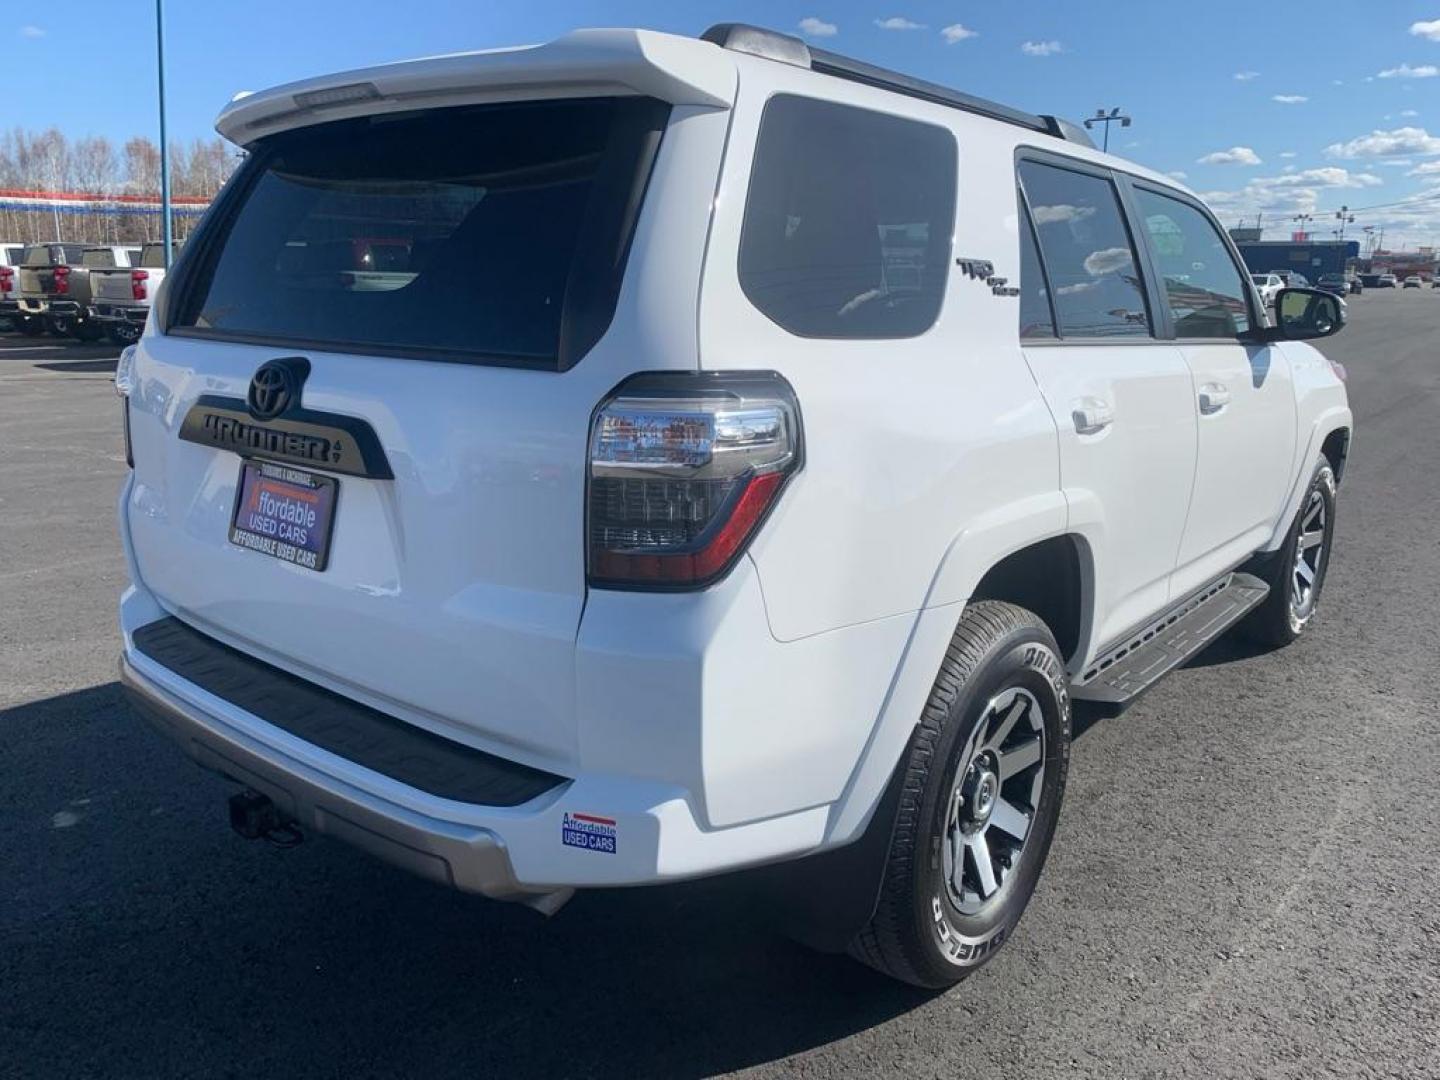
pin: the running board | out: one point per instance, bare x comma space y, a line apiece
1125, 672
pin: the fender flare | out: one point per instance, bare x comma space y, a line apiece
1329, 421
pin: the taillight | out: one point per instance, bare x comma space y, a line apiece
62, 280
7, 276
683, 469
138, 278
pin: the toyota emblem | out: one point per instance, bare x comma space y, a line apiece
275, 387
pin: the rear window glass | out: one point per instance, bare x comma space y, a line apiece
98, 257
491, 233
153, 255
848, 220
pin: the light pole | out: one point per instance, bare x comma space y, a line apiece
164, 145
1301, 220
1112, 117
1346, 218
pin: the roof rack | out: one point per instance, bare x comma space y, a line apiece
772, 45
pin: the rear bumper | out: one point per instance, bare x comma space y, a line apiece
466, 857
119, 313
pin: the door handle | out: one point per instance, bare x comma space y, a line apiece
1091, 415
1213, 398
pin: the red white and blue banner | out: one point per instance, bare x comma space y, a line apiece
72, 202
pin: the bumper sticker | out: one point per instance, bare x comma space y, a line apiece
589, 832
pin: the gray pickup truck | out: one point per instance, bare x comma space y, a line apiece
121, 298
55, 286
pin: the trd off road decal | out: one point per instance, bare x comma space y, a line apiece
589, 832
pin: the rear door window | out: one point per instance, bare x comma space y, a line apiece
1090, 261
492, 233
848, 220
1036, 318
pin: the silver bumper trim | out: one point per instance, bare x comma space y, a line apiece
465, 857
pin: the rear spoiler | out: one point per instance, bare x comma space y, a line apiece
678, 70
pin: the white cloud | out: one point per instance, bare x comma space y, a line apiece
1179, 174
1396, 163
1330, 176
1430, 168
895, 22
818, 27
1396, 143
1041, 48
1106, 261
32, 32
1236, 155
1405, 71
1246, 76
1408, 113
957, 32
1290, 99
1429, 30
1287, 153
1052, 215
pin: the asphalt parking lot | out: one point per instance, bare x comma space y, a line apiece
1244, 882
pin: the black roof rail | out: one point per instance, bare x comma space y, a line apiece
773, 45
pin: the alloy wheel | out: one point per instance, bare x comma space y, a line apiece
994, 800
1309, 555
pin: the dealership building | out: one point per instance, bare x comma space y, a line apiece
1308, 257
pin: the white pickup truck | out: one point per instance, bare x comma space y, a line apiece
121, 298
746, 459
10, 283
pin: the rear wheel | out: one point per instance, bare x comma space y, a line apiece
30, 326
1296, 573
58, 327
122, 333
87, 330
981, 798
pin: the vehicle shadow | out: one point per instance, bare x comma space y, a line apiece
107, 364
223, 955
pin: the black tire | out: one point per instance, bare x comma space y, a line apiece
87, 331
30, 327
925, 931
58, 327
123, 334
1292, 602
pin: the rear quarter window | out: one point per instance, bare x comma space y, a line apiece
487, 233
848, 220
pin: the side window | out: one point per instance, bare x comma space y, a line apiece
1036, 320
1203, 286
848, 220
1087, 251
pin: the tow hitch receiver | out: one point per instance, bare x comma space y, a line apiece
255, 817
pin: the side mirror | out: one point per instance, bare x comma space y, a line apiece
1306, 313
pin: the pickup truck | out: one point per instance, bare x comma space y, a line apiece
55, 285
121, 297
9, 283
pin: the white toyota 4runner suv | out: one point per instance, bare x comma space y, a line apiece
738, 456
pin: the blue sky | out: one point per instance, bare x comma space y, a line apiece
1279, 108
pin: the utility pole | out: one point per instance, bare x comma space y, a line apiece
1302, 220
164, 144
1346, 218
1114, 116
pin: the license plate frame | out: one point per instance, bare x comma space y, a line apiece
300, 521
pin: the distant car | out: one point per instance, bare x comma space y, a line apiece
10, 284
1294, 279
1267, 285
1356, 286
1333, 283
121, 296
1413, 282
1387, 281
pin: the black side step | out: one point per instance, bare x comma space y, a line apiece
1127, 671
